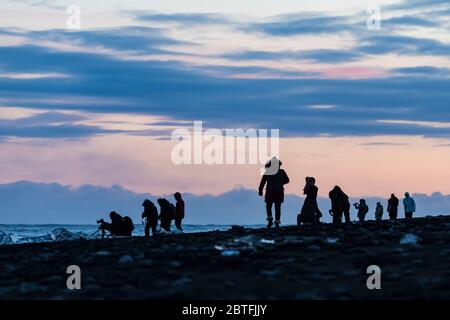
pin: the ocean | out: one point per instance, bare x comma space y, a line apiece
12, 234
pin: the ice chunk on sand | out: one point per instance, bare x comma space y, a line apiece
409, 238
5, 238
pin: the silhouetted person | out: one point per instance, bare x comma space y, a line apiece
393, 207
119, 226
346, 206
362, 210
379, 212
410, 206
337, 204
166, 213
310, 210
150, 215
179, 210
275, 178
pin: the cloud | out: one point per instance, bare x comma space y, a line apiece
323, 55
307, 23
408, 21
50, 125
167, 88
234, 89
383, 44
423, 71
32, 203
183, 18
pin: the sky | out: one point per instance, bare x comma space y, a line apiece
364, 108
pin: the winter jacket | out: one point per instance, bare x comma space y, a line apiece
379, 212
274, 182
409, 204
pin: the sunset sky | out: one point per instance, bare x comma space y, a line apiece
366, 109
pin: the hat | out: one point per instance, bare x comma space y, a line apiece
269, 163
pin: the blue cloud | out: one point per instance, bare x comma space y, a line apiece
184, 18
408, 21
171, 89
56, 203
288, 25
423, 71
382, 44
323, 55
49, 125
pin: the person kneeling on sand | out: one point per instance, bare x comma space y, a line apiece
362, 210
166, 213
310, 212
275, 178
150, 217
179, 210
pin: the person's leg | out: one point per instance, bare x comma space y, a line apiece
154, 230
165, 225
277, 214
337, 217
269, 214
347, 216
335, 214
178, 223
147, 230
299, 219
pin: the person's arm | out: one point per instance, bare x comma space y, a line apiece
262, 184
413, 205
285, 178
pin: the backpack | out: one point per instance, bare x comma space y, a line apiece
128, 224
172, 210
150, 212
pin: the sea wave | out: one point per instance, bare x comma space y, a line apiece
19, 234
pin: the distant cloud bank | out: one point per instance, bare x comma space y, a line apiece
27, 202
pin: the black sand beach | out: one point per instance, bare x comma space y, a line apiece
313, 262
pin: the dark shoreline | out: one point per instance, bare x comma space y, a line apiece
312, 262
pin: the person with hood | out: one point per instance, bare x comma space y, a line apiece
362, 210
409, 205
179, 210
337, 204
379, 212
310, 210
274, 179
393, 207
166, 213
150, 217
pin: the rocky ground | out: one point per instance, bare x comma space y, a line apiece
311, 262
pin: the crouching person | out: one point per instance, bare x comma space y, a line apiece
119, 226
150, 217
